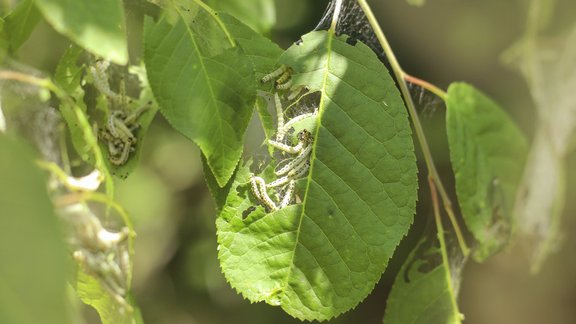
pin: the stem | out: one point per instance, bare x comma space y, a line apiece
82, 120
401, 78
336, 15
25, 78
426, 85
64, 155
85, 196
99, 197
440, 230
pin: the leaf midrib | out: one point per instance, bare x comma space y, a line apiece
331, 34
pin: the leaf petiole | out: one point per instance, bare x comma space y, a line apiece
441, 239
401, 79
425, 85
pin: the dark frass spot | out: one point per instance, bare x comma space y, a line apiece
247, 212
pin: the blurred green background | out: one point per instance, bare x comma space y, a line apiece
176, 273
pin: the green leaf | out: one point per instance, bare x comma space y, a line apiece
20, 23
111, 312
488, 153
210, 34
425, 288
97, 26
266, 118
219, 194
260, 15
262, 52
68, 77
145, 100
264, 55
68, 73
35, 265
208, 98
322, 256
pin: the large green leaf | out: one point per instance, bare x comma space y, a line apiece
322, 256
205, 89
97, 26
426, 287
488, 152
20, 23
35, 265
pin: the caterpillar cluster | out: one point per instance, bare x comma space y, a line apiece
118, 133
297, 162
119, 130
104, 254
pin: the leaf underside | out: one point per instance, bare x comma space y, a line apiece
321, 257
204, 88
488, 153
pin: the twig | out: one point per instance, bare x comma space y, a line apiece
401, 77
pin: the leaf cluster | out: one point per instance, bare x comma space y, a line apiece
315, 238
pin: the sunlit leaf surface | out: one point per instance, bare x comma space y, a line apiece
323, 255
205, 88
